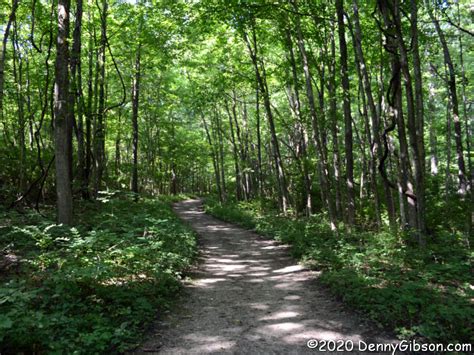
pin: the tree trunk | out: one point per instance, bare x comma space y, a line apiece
18, 79
417, 206
376, 151
454, 105
347, 115
99, 129
3, 52
214, 158
135, 102
238, 184
75, 96
221, 156
89, 114
261, 79
395, 101
336, 160
324, 168
300, 128
433, 138
62, 133
259, 143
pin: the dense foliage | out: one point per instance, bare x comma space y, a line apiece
419, 292
350, 118
94, 287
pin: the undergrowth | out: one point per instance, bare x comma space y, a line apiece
91, 288
420, 292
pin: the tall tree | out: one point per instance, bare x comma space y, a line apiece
453, 94
135, 102
62, 124
347, 114
3, 51
260, 74
317, 135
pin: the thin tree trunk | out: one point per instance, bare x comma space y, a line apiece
75, 96
259, 142
347, 115
61, 122
300, 128
135, 103
454, 105
334, 127
3, 52
89, 113
376, 151
214, 158
416, 208
395, 101
221, 156
100, 131
433, 138
18, 77
238, 184
261, 79
324, 168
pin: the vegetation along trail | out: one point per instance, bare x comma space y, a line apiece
250, 297
340, 128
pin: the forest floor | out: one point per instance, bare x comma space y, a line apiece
248, 296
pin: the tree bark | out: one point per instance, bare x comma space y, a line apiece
99, 129
261, 79
347, 115
300, 129
75, 95
454, 105
324, 167
395, 102
135, 103
376, 151
3, 53
62, 131
417, 206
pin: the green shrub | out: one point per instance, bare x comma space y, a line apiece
91, 288
423, 292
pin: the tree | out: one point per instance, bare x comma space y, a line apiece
62, 123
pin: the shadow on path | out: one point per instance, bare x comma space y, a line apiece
250, 297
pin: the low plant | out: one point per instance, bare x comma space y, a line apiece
420, 292
91, 288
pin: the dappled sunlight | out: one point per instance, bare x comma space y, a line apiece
208, 281
250, 292
292, 297
280, 328
288, 269
280, 315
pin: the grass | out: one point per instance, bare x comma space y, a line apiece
420, 292
92, 288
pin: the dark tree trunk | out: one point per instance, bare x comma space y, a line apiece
261, 79
324, 167
296, 104
376, 151
347, 115
62, 131
454, 105
135, 103
75, 96
3, 52
99, 129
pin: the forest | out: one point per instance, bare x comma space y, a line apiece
342, 128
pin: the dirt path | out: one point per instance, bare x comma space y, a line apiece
250, 297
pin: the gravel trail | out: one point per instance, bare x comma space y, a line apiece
248, 296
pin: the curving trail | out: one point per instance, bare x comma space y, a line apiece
249, 296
